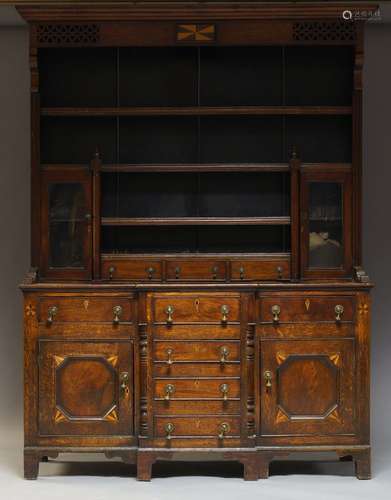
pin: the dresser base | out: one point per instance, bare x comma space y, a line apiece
255, 462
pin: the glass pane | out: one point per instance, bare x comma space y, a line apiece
66, 202
67, 210
66, 244
325, 225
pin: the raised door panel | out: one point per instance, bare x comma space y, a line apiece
307, 387
85, 388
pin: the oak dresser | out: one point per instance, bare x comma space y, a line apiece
196, 281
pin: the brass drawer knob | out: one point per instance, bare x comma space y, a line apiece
169, 391
224, 389
150, 272
267, 375
170, 361
215, 270
224, 429
52, 312
169, 312
124, 379
224, 313
279, 272
241, 273
224, 351
111, 272
169, 428
339, 310
177, 273
117, 313
276, 311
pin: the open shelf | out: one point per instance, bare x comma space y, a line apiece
199, 240
196, 221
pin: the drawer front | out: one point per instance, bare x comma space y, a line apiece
202, 332
196, 389
196, 309
307, 308
141, 270
306, 330
197, 408
247, 270
186, 369
197, 270
114, 310
198, 426
215, 351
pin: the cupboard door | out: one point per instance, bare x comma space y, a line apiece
326, 220
66, 224
307, 387
85, 388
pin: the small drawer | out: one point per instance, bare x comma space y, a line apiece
196, 309
178, 352
185, 369
114, 310
196, 270
250, 270
132, 270
202, 332
296, 309
172, 389
218, 427
197, 407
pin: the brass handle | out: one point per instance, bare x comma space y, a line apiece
224, 351
224, 388
170, 352
170, 389
169, 312
177, 272
339, 310
215, 270
241, 273
224, 428
111, 272
279, 272
117, 311
267, 375
224, 313
169, 428
150, 272
52, 311
276, 311
124, 379
88, 216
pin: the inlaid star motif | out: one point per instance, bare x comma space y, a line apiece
363, 309
30, 310
196, 33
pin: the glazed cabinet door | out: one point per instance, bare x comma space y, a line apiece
85, 388
66, 224
326, 223
307, 387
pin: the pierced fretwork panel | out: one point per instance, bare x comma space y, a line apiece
68, 34
324, 31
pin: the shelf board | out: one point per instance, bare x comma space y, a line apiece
197, 167
198, 111
196, 221
197, 255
